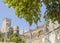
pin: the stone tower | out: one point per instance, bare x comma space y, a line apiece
5, 29
16, 29
5, 25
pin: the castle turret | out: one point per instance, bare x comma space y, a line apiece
16, 29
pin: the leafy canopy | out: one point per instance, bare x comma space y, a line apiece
27, 9
30, 9
52, 10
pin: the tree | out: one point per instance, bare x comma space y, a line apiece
16, 38
30, 9
52, 10
27, 9
1, 39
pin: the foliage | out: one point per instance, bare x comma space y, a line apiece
16, 38
27, 9
52, 10
30, 9
1, 39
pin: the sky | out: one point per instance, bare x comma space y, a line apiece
6, 12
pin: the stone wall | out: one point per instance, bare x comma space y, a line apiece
53, 36
34, 41
47, 37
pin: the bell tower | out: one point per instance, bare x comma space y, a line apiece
6, 24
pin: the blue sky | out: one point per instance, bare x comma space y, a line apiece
6, 12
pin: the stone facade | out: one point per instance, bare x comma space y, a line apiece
44, 34
34, 36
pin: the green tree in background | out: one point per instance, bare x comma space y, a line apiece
1, 39
30, 9
16, 38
